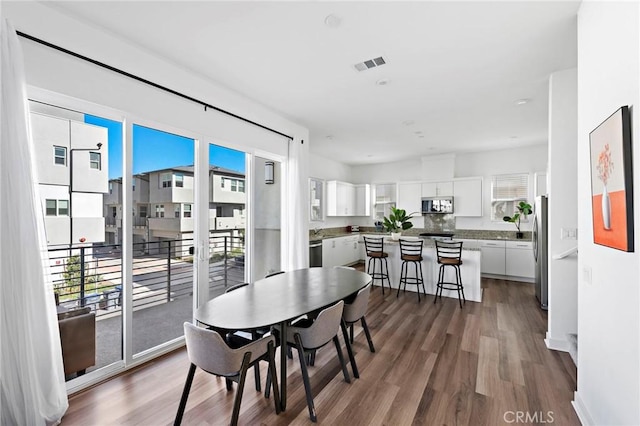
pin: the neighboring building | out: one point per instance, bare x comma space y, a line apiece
72, 175
163, 206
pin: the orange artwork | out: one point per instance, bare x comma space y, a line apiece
611, 180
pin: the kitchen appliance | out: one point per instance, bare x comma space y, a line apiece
315, 253
540, 248
437, 205
353, 228
438, 236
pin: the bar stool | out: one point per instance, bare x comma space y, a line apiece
411, 252
449, 253
375, 252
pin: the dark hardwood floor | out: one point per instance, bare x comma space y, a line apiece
437, 364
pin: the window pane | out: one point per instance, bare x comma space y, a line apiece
60, 155
94, 160
506, 192
51, 208
179, 180
187, 210
63, 208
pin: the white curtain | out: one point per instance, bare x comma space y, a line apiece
32, 386
298, 221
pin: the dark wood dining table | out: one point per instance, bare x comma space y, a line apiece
281, 298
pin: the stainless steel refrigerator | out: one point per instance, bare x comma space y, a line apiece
540, 249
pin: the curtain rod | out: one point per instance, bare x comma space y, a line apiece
148, 82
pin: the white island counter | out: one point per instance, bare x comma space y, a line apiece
470, 269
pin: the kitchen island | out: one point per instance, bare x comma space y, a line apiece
470, 269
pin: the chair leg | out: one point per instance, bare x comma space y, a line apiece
272, 376
347, 379
351, 333
461, 286
228, 383
400, 281
305, 378
386, 268
352, 359
366, 332
422, 282
238, 398
415, 264
256, 367
185, 395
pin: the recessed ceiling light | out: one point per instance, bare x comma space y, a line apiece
421, 136
513, 137
329, 137
369, 155
409, 123
522, 101
383, 82
332, 21
418, 132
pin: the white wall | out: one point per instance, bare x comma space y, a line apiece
608, 290
563, 197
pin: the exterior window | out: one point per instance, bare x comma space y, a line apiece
63, 208
110, 187
114, 212
506, 192
240, 186
222, 182
176, 211
234, 185
187, 210
60, 155
179, 180
159, 210
165, 180
219, 211
134, 185
95, 160
52, 209
142, 210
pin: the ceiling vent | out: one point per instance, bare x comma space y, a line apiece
371, 63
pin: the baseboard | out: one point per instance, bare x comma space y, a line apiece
557, 344
581, 410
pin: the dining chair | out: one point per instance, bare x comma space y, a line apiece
237, 338
208, 351
308, 335
355, 311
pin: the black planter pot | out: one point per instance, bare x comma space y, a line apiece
519, 235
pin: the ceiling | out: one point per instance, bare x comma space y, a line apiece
454, 70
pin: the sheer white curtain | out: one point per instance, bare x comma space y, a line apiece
298, 232
32, 387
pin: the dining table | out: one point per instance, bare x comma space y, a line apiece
280, 299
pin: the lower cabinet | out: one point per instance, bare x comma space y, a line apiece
513, 259
519, 259
340, 251
493, 258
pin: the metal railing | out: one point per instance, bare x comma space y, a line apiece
162, 272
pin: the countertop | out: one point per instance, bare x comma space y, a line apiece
458, 234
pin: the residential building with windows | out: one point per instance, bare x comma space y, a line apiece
71, 159
163, 205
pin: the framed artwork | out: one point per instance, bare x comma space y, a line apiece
612, 182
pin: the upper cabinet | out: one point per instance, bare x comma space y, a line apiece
385, 198
346, 199
467, 197
437, 189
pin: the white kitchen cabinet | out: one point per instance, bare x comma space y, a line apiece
468, 244
346, 199
363, 200
437, 189
384, 198
340, 251
410, 199
519, 259
467, 197
493, 257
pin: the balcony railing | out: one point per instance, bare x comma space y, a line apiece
162, 272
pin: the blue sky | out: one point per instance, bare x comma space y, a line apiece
154, 149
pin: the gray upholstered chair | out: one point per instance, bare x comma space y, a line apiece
307, 336
208, 351
355, 311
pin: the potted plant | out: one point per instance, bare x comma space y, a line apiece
397, 221
523, 209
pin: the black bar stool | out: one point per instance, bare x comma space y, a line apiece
376, 253
411, 252
449, 253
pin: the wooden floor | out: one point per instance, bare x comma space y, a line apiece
437, 364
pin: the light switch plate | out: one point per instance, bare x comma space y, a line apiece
568, 233
586, 275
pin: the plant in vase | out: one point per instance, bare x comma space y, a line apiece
605, 167
397, 221
523, 210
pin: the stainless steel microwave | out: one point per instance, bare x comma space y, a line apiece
437, 205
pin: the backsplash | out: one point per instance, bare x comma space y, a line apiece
439, 222
475, 234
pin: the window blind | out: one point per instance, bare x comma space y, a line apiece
510, 187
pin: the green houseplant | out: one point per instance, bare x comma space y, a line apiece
523, 210
397, 221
